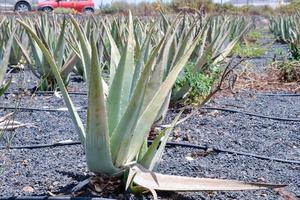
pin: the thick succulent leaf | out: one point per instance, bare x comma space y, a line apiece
85, 47
149, 115
97, 146
143, 55
119, 140
5, 60
114, 53
26, 54
74, 115
230, 46
203, 43
120, 90
184, 44
4, 87
37, 56
219, 42
84, 50
159, 70
155, 181
67, 68
155, 151
60, 45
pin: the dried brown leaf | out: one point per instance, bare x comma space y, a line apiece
286, 194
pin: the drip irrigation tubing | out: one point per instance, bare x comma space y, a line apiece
83, 93
279, 94
51, 92
24, 109
83, 109
169, 144
253, 114
44, 93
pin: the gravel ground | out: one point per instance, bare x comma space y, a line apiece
57, 170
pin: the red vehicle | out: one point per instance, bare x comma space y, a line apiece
86, 6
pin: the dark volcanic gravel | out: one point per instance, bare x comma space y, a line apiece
58, 169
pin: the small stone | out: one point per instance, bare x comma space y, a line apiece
189, 158
98, 188
28, 189
264, 195
261, 179
24, 163
186, 137
55, 183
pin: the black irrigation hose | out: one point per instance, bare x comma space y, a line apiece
52, 198
82, 109
41, 109
172, 144
45, 93
232, 152
40, 146
279, 94
51, 92
253, 114
85, 93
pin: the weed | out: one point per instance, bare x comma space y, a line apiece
200, 83
289, 70
254, 35
248, 50
295, 51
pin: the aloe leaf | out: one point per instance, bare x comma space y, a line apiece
142, 57
148, 117
59, 51
114, 53
185, 43
202, 47
37, 56
73, 112
85, 47
230, 46
5, 60
160, 69
4, 87
156, 181
155, 151
97, 146
69, 65
128, 122
120, 90
26, 55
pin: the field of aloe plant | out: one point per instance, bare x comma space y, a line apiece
129, 107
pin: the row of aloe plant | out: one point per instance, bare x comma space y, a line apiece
286, 29
5, 52
143, 59
111, 39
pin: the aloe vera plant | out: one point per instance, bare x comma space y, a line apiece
52, 33
219, 38
117, 126
286, 29
7, 26
4, 61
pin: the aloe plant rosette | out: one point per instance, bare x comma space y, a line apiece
117, 126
